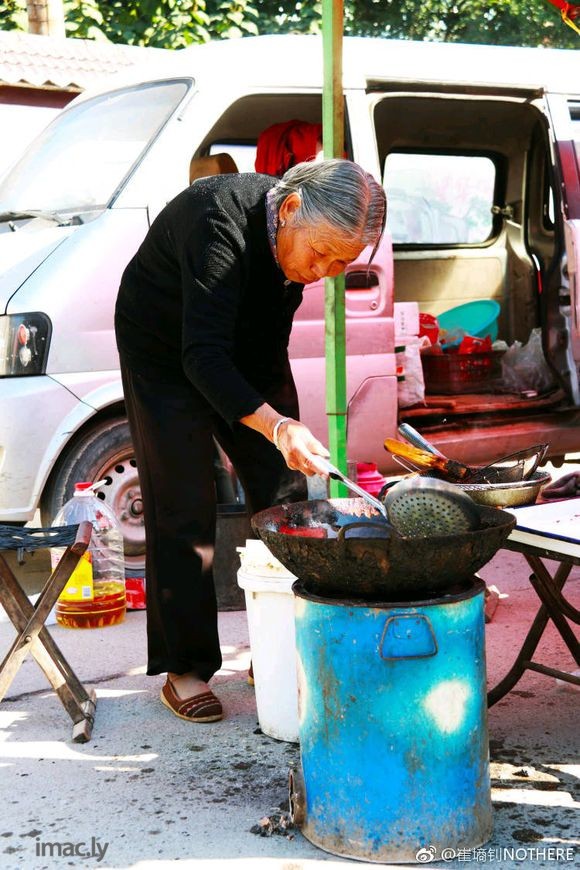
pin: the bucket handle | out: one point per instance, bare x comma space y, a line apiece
408, 636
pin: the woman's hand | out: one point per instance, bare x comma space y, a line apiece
300, 448
295, 441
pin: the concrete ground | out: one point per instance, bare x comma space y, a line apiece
154, 789
150, 789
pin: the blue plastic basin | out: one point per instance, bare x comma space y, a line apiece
478, 318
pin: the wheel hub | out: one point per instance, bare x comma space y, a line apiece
122, 493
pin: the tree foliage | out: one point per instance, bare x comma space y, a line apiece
13, 15
177, 23
494, 22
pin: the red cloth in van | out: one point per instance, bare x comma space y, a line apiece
283, 145
568, 10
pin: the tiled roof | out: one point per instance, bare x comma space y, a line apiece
68, 64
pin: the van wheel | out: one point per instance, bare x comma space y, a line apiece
104, 453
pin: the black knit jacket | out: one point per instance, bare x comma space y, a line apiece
203, 295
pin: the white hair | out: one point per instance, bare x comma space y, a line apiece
338, 193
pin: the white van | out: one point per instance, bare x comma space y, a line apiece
479, 150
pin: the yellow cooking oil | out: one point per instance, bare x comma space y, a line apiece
107, 607
94, 596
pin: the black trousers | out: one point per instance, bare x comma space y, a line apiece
173, 431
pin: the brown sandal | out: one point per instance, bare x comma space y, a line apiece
204, 707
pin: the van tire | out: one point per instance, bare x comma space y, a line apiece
106, 452
103, 452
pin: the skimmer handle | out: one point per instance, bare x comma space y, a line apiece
336, 474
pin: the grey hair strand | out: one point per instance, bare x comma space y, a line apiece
338, 193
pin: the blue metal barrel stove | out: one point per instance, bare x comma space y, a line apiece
393, 725
391, 679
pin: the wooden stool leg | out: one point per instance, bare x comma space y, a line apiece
29, 620
34, 638
79, 703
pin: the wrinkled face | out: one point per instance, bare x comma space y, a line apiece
308, 253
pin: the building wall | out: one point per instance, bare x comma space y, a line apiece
41, 74
24, 113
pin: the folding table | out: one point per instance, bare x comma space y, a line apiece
33, 637
546, 531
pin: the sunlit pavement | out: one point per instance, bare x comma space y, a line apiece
150, 789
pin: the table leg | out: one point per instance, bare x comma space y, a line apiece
552, 597
531, 641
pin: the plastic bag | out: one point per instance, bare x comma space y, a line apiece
524, 366
410, 381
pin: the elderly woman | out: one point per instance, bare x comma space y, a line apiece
203, 320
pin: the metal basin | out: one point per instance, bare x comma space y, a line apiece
511, 495
342, 547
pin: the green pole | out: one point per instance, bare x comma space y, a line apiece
334, 309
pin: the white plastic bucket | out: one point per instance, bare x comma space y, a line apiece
270, 610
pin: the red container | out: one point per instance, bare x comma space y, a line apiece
369, 478
428, 326
135, 591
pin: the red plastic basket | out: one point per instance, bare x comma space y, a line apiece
450, 373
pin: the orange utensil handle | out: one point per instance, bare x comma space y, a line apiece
455, 470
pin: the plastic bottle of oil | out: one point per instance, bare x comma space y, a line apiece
94, 596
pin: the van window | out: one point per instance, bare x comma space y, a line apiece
439, 199
80, 160
243, 154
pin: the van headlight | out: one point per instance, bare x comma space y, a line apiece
24, 343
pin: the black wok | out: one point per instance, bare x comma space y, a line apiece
342, 547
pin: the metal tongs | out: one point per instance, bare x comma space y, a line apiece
336, 474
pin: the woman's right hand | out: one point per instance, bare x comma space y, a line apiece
300, 448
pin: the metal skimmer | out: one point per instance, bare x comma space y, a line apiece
425, 507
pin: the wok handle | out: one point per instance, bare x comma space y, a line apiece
341, 537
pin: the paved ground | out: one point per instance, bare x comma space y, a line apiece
156, 789
152, 790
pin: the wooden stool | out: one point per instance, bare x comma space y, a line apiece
33, 637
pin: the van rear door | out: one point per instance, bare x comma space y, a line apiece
570, 161
564, 112
572, 235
